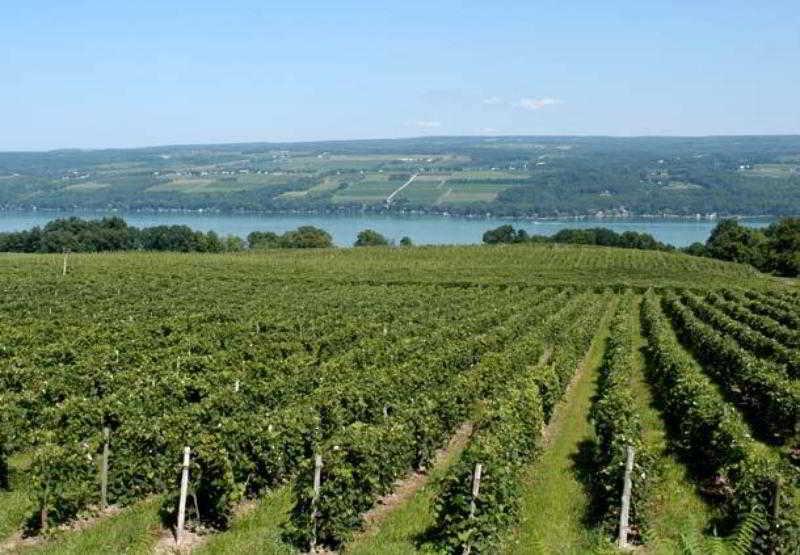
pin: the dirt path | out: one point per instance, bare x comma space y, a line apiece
400, 188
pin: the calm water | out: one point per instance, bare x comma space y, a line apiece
421, 229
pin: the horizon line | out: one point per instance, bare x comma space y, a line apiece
409, 138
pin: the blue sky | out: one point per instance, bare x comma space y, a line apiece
94, 74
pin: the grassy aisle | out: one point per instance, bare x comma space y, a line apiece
258, 531
15, 504
402, 531
132, 531
677, 516
555, 503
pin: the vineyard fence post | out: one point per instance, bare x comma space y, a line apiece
315, 498
476, 489
64, 270
184, 493
776, 502
43, 513
624, 514
104, 470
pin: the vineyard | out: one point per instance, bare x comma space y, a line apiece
530, 399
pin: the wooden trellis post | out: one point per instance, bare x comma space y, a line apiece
64, 270
184, 494
624, 514
104, 469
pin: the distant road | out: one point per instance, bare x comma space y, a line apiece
400, 188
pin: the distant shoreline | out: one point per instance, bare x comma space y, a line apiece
59, 212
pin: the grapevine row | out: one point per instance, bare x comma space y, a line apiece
237, 442
617, 425
505, 439
714, 438
761, 387
785, 313
362, 461
790, 338
752, 340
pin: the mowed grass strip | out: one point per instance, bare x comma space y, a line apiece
257, 530
677, 516
134, 531
555, 502
16, 504
403, 530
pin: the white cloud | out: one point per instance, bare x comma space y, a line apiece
537, 103
493, 101
427, 124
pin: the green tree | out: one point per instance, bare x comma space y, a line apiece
263, 240
406, 242
306, 237
731, 241
370, 238
783, 247
696, 249
505, 234
232, 243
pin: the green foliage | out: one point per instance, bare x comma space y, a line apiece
65, 481
406, 242
505, 438
572, 176
715, 439
753, 340
760, 386
731, 241
617, 426
505, 234
507, 434
595, 236
776, 249
783, 247
769, 328
362, 461
370, 238
112, 234
304, 237
213, 491
257, 375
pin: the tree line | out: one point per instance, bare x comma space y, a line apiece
600, 236
774, 249
114, 234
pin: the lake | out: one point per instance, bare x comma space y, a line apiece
423, 230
